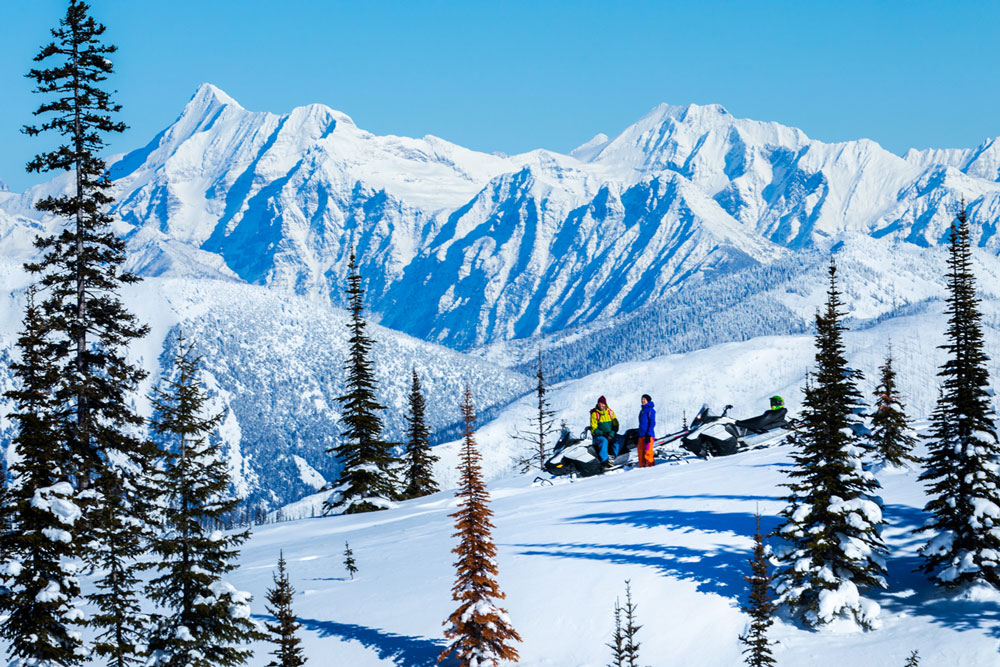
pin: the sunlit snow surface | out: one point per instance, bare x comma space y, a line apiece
680, 533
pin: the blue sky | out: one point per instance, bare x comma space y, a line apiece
511, 76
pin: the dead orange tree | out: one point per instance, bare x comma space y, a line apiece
480, 631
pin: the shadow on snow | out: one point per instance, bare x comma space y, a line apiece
401, 649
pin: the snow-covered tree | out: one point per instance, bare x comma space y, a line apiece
350, 564
759, 606
630, 629
891, 439
962, 468
618, 640
913, 660
480, 631
288, 647
367, 480
542, 427
418, 471
832, 547
40, 611
205, 620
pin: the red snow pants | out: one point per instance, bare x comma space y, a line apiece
645, 452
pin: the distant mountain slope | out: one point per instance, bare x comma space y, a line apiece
273, 365
468, 248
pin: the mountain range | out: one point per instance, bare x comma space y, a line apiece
688, 229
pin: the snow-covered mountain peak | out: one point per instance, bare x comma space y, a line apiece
587, 150
208, 94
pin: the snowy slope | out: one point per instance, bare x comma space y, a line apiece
681, 534
743, 374
469, 248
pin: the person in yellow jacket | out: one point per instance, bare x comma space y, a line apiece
604, 428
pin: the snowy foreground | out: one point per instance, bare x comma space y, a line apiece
680, 533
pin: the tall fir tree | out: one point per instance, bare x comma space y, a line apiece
288, 647
961, 468
542, 427
40, 600
832, 548
88, 327
419, 461
206, 621
480, 631
367, 479
891, 439
80, 270
759, 606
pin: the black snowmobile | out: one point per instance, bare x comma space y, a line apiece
579, 455
722, 435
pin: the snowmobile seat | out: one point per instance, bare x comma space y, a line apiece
765, 422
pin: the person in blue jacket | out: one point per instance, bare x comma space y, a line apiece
647, 434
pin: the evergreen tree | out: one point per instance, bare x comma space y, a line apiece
39, 589
289, 647
480, 631
961, 468
80, 270
87, 325
759, 606
119, 540
541, 427
349, 563
832, 524
631, 629
367, 481
891, 439
206, 621
419, 471
618, 640
913, 660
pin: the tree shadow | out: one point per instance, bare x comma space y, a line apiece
702, 496
718, 571
684, 521
403, 650
911, 592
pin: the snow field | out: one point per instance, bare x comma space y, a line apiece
680, 533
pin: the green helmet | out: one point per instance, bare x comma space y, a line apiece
777, 402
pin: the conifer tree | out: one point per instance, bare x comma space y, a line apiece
618, 641
833, 548
480, 631
913, 660
39, 589
80, 271
349, 563
630, 629
119, 540
86, 324
961, 468
288, 651
206, 621
541, 427
759, 606
419, 462
890, 438
367, 480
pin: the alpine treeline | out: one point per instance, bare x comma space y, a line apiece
832, 548
82, 494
